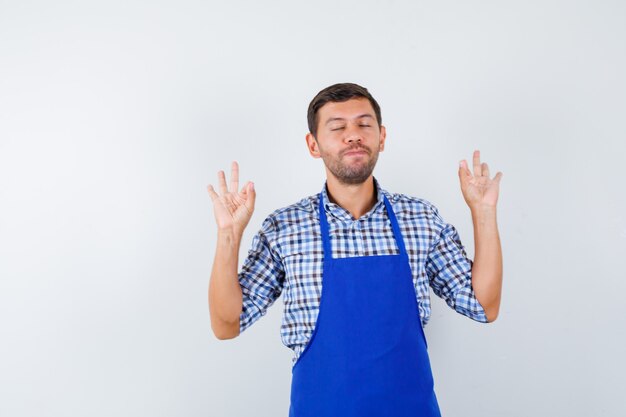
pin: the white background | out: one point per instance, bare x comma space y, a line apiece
114, 117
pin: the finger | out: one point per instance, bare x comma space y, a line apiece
212, 192
476, 161
498, 177
234, 177
485, 170
222, 181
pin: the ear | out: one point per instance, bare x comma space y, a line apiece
383, 136
312, 145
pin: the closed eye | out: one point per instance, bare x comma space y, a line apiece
339, 128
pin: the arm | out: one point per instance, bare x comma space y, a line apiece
225, 296
449, 269
481, 195
233, 211
487, 268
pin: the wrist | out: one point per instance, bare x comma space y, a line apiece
229, 236
483, 216
482, 209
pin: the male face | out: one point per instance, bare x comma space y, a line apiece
348, 139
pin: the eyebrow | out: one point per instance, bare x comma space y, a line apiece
332, 119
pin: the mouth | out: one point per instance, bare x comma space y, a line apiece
356, 152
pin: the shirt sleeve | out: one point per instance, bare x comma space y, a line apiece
261, 277
450, 271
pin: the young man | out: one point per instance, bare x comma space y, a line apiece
354, 263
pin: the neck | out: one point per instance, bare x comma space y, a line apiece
358, 199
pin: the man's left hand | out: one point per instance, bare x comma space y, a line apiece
479, 191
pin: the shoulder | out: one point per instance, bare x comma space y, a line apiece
294, 215
417, 212
411, 207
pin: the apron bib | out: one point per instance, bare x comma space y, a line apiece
367, 355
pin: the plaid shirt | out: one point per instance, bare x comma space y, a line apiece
287, 257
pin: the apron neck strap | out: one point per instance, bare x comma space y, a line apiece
326, 231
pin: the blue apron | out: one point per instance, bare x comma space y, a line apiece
367, 355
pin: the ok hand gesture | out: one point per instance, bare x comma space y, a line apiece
233, 209
479, 190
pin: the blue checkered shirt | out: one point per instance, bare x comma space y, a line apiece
287, 258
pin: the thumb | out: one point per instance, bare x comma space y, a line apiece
251, 197
464, 173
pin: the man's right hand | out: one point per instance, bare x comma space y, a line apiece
233, 209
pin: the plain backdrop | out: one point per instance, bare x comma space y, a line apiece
116, 115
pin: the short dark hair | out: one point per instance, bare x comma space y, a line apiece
338, 93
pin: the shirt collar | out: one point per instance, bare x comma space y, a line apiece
341, 213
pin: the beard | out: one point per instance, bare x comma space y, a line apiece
349, 171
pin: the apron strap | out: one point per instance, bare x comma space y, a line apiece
326, 231
324, 228
396, 227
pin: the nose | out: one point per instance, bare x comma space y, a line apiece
352, 134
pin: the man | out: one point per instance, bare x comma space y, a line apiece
354, 263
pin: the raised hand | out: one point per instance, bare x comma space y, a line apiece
233, 209
479, 190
